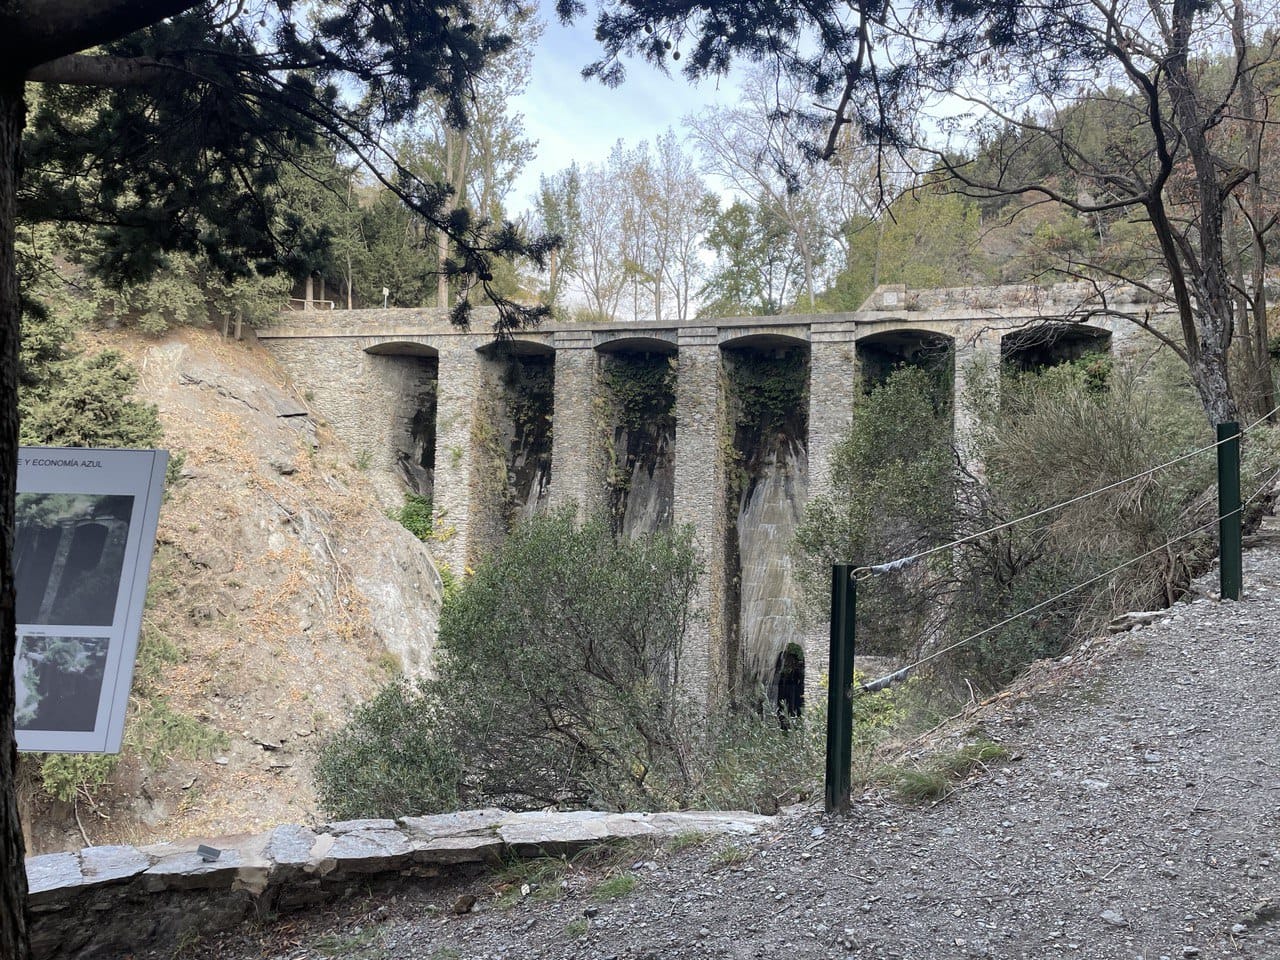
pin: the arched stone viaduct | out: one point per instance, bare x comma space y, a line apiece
414, 399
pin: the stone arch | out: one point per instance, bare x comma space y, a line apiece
767, 382
787, 689
1042, 345
515, 347
519, 402
769, 340
638, 384
409, 373
884, 351
663, 342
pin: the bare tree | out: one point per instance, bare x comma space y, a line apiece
758, 149
1161, 126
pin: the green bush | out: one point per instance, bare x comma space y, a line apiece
561, 660
559, 684
1055, 436
66, 776
415, 516
899, 488
393, 758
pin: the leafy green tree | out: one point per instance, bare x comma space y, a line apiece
927, 238
757, 268
893, 491
558, 213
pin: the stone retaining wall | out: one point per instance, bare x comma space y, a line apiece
120, 900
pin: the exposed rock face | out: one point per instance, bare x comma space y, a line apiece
281, 595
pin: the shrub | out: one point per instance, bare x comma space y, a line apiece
415, 515
1043, 438
560, 661
559, 684
1055, 436
393, 758
67, 776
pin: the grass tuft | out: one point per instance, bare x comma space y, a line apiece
937, 779
619, 885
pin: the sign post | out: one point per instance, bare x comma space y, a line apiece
839, 693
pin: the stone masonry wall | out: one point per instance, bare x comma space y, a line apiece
577, 443
700, 502
118, 901
363, 396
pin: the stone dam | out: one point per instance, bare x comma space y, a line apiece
728, 425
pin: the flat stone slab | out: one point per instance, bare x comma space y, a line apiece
351, 826
552, 834
290, 846
48, 876
476, 848
187, 870
700, 821
370, 851
458, 824
112, 864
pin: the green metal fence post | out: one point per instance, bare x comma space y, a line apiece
1231, 563
839, 702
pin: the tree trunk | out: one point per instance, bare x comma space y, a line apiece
13, 876
442, 281
1259, 343
1209, 374
308, 294
552, 290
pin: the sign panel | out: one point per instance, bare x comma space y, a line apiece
84, 533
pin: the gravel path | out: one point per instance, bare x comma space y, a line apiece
1139, 818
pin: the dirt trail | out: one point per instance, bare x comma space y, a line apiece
1140, 819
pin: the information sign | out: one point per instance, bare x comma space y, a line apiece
84, 533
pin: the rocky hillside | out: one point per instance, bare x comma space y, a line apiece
280, 595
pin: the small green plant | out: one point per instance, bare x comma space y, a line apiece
920, 785
358, 945
415, 516
619, 885
364, 459
687, 840
937, 779
173, 471
577, 928
730, 855
160, 731
66, 776
541, 879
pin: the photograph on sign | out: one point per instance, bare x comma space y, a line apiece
84, 533
59, 682
68, 556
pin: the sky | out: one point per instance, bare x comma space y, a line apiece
576, 119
